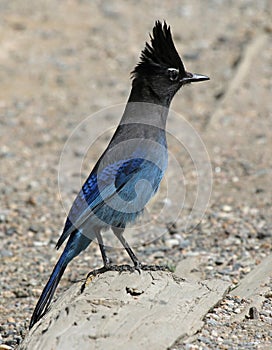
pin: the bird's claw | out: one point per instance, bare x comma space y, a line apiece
155, 268
120, 268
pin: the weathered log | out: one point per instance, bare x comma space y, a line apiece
150, 310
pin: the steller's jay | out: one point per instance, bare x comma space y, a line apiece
130, 170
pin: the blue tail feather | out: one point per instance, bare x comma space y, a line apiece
76, 244
49, 289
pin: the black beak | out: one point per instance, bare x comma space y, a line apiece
193, 77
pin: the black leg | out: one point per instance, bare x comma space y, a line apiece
105, 258
119, 234
120, 268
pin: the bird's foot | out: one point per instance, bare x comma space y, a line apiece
137, 266
111, 267
120, 268
156, 268
91, 275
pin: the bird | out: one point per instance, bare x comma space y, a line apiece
130, 170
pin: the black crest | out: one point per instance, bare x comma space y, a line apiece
160, 54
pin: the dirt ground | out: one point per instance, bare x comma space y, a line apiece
63, 61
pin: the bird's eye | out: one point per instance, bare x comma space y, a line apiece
173, 74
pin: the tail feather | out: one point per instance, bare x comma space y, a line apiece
76, 244
49, 290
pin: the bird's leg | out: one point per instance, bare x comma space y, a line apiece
119, 234
106, 259
108, 266
137, 264
107, 263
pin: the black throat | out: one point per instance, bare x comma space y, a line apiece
142, 91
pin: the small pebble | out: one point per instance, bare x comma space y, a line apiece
237, 310
214, 333
253, 313
172, 242
227, 208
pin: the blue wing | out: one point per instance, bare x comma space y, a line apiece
118, 178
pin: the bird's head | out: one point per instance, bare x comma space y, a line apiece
161, 67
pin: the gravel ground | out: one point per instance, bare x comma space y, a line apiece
64, 61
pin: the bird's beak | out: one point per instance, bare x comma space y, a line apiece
193, 77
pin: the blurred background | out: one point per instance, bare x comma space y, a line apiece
62, 61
